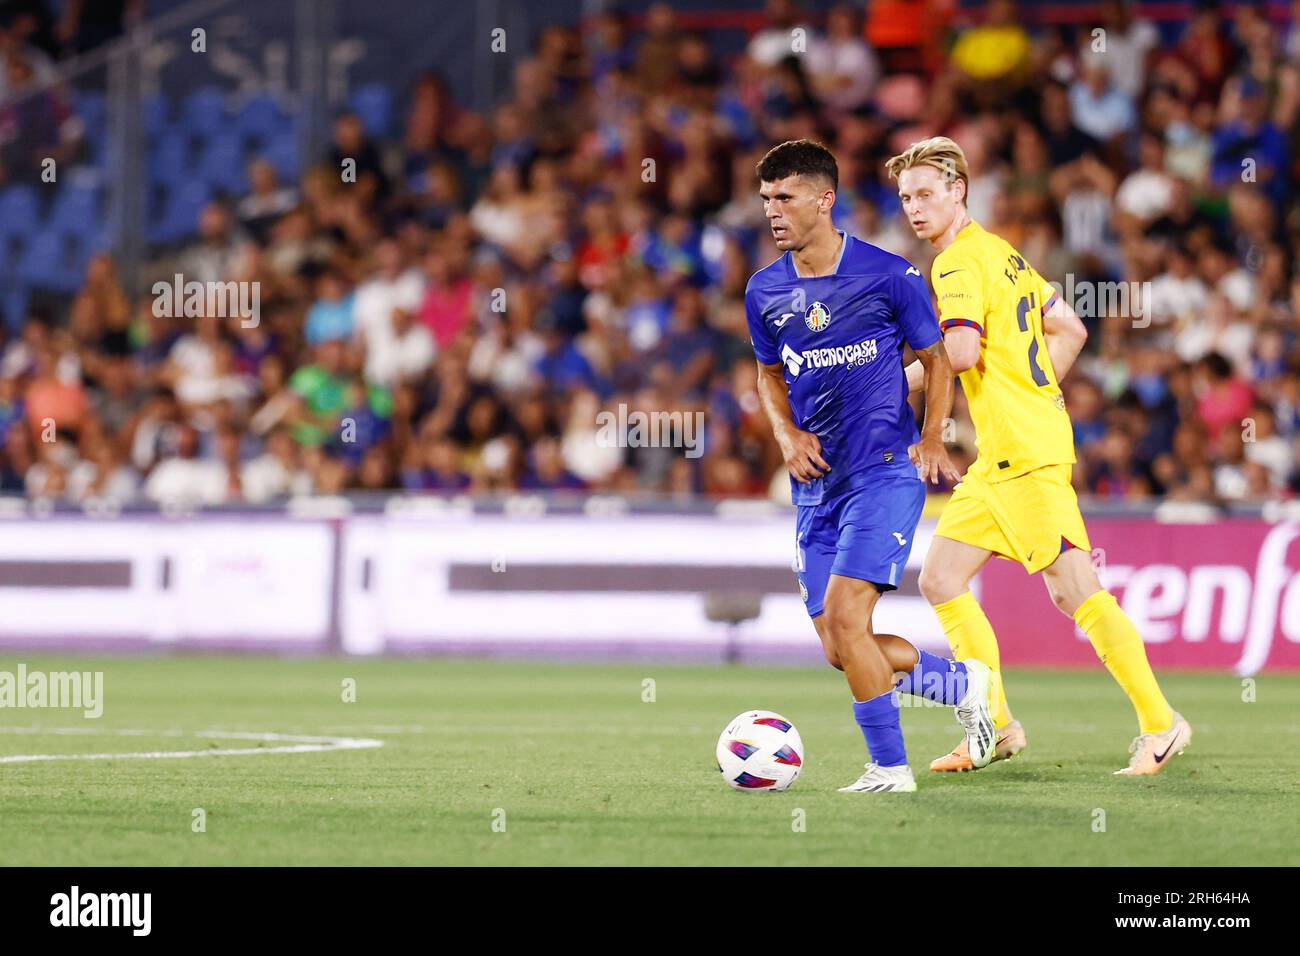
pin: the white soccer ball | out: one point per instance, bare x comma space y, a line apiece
760, 750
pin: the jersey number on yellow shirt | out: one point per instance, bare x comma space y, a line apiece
1024, 309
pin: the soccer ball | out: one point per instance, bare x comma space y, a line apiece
760, 750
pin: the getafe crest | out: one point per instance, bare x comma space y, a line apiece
817, 317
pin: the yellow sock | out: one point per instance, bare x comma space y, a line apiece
1119, 645
970, 634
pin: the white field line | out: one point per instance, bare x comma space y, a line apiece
381, 728
293, 744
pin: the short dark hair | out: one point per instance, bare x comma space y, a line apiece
801, 157
1219, 368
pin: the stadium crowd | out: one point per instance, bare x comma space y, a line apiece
457, 316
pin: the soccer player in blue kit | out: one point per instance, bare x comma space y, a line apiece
828, 321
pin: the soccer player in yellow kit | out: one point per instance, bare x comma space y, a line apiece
1011, 339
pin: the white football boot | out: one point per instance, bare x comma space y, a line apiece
878, 779
975, 713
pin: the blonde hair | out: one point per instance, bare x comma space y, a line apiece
938, 151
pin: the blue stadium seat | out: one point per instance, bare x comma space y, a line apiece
19, 222
374, 104
42, 265
97, 152
262, 118
205, 112
169, 160
91, 109
221, 164
90, 105
15, 302
156, 118
12, 248
77, 252
282, 153
19, 210
75, 211
180, 213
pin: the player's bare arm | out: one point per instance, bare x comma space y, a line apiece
929, 454
915, 373
963, 347
800, 449
962, 344
1065, 335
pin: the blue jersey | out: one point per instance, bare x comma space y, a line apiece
840, 339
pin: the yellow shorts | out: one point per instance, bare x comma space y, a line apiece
1023, 519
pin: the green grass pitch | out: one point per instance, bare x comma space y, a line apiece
581, 770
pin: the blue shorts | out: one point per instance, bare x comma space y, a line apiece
865, 534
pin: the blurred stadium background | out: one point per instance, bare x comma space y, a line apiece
554, 214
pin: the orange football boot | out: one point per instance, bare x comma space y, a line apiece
1150, 752
1011, 741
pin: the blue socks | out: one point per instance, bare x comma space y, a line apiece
935, 678
881, 729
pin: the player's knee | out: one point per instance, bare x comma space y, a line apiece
1064, 600
1071, 580
833, 658
843, 628
938, 585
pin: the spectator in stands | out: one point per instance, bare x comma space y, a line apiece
845, 69
116, 393
212, 256
30, 22
321, 390
1265, 447
1147, 192
429, 122
435, 466
520, 268
200, 369
331, 317
1247, 146
185, 478
546, 471
153, 433
992, 59
36, 125
769, 46
1100, 108
275, 472
54, 402
85, 25
1115, 473
266, 202
25, 34
1223, 399
448, 294
1128, 44
102, 474
355, 155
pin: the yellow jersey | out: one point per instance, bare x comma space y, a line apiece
1015, 402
